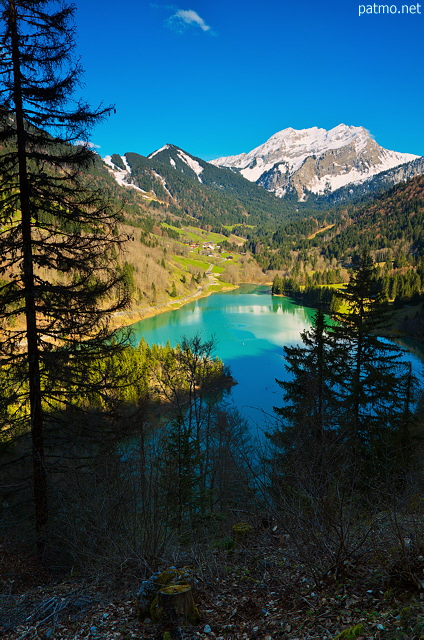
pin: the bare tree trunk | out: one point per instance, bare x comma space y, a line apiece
39, 471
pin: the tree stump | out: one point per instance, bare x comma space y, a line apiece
175, 603
240, 532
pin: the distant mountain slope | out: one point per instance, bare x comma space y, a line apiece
254, 197
314, 160
372, 186
392, 224
212, 195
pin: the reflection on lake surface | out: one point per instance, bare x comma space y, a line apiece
250, 327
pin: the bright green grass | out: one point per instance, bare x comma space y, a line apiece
231, 227
195, 234
236, 257
206, 236
197, 263
219, 287
169, 226
187, 235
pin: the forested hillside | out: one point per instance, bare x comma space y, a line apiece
219, 198
170, 245
320, 250
308, 252
391, 227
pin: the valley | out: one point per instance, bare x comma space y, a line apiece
211, 327
205, 227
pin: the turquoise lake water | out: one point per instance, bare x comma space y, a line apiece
250, 327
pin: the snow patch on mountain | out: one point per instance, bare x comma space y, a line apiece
127, 166
191, 162
121, 176
162, 181
388, 160
152, 155
178, 154
258, 168
333, 182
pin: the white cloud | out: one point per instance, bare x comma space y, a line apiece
183, 18
84, 143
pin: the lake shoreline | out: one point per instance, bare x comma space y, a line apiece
123, 319
392, 331
248, 330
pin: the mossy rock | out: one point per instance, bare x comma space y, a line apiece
351, 632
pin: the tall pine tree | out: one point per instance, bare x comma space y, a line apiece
373, 379
349, 393
57, 230
308, 412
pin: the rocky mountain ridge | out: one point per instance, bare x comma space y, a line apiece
313, 167
376, 184
314, 160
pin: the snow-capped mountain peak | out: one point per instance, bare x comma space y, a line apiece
314, 160
178, 159
164, 148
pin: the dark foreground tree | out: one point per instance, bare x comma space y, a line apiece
347, 382
341, 448
376, 385
57, 230
308, 393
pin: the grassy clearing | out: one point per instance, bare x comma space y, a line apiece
218, 269
213, 288
235, 257
195, 234
206, 236
165, 225
339, 285
185, 233
231, 227
193, 262
200, 236
312, 236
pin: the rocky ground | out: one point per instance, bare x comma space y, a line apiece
254, 593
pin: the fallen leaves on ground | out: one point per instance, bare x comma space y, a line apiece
254, 593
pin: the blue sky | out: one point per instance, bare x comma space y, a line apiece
218, 78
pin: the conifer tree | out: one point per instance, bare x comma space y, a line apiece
305, 388
179, 475
309, 414
57, 229
348, 388
371, 376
